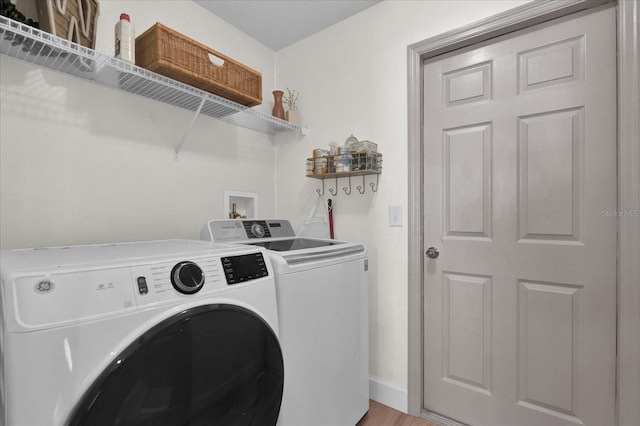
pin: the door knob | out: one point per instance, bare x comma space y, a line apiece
432, 253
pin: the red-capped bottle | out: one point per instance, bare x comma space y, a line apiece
125, 39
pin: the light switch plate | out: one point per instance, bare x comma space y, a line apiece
395, 215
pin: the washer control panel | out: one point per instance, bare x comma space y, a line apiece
235, 230
257, 229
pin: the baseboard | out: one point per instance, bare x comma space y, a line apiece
388, 395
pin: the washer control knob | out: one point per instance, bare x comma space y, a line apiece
257, 230
187, 277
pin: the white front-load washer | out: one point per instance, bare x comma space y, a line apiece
172, 332
322, 293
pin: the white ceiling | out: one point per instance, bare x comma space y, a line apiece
279, 23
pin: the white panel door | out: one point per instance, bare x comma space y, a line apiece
520, 168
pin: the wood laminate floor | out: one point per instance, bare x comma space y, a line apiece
381, 415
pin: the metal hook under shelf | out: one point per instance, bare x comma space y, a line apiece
345, 188
361, 189
320, 194
333, 191
374, 187
349, 189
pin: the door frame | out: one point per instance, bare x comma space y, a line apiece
628, 268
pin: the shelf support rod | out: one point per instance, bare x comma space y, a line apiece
187, 131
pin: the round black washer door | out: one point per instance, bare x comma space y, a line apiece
210, 365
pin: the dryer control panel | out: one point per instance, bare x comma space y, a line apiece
82, 288
240, 269
184, 278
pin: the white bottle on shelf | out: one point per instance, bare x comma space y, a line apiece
125, 39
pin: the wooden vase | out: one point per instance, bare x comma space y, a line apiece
278, 108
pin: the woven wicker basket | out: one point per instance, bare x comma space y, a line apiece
167, 52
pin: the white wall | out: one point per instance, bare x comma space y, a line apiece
353, 79
80, 163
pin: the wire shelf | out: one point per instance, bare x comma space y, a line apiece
38, 47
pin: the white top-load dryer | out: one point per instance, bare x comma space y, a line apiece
151, 333
322, 294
